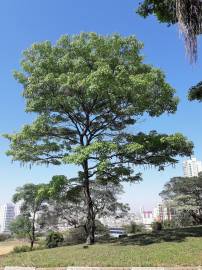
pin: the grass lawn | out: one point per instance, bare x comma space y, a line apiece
169, 248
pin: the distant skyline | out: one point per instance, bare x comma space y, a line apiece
35, 21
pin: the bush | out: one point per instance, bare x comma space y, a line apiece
76, 236
54, 239
156, 226
20, 249
4, 237
100, 229
134, 228
169, 224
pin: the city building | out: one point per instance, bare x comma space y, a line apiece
146, 218
120, 222
7, 215
163, 212
192, 167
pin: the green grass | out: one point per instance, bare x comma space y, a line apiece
168, 248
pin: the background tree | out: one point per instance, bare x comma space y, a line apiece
22, 228
195, 92
32, 199
66, 204
187, 13
185, 193
86, 91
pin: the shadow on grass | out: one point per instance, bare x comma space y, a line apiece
169, 235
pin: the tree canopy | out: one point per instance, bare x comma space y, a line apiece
187, 13
31, 198
195, 92
66, 204
185, 193
86, 90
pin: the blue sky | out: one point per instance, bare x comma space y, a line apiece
24, 22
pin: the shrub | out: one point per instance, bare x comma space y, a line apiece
169, 224
134, 228
76, 236
156, 226
54, 239
20, 249
4, 237
100, 229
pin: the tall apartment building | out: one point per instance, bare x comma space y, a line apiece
192, 167
7, 214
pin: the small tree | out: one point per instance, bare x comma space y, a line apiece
32, 198
21, 227
185, 193
86, 91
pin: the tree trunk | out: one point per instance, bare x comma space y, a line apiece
197, 218
32, 245
33, 231
90, 218
90, 224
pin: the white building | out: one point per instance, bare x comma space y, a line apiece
112, 222
146, 217
192, 167
7, 214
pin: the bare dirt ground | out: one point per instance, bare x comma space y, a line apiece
7, 246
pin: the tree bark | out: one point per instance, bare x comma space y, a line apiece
33, 231
90, 219
32, 245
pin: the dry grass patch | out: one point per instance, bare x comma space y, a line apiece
7, 246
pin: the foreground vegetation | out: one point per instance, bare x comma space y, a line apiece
182, 247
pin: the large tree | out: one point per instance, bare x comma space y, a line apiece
86, 91
187, 13
185, 194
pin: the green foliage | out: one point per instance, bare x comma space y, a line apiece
67, 202
4, 237
104, 73
20, 249
21, 227
32, 198
183, 219
185, 195
195, 92
100, 229
86, 90
164, 10
76, 236
54, 239
156, 226
187, 13
169, 224
134, 228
